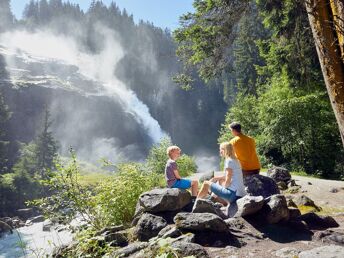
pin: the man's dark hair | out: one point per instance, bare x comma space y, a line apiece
235, 126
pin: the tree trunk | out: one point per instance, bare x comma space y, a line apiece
325, 18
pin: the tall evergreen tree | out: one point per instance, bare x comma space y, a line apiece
4, 116
6, 16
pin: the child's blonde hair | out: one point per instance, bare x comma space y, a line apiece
171, 148
228, 150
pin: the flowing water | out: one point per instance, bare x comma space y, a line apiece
32, 241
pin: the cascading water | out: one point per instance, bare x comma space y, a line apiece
46, 48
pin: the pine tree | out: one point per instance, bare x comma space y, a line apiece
46, 150
4, 117
6, 16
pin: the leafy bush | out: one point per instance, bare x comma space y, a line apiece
116, 199
157, 158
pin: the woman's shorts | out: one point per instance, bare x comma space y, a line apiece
182, 184
224, 193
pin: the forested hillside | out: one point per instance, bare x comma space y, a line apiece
264, 53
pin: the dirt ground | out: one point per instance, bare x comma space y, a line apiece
328, 194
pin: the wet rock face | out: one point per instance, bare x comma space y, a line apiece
149, 226
279, 174
257, 185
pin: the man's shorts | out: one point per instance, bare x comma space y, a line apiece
182, 184
224, 193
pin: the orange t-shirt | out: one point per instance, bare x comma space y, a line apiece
245, 150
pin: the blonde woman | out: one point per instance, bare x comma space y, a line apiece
233, 186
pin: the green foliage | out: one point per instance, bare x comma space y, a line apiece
4, 117
116, 198
157, 158
204, 37
68, 197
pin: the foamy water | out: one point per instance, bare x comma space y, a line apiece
32, 241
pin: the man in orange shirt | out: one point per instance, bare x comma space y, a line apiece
245, 150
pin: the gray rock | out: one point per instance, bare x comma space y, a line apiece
329, 251
279, 174
166, 199
282, 185
25, 214
257, 185
47, 225
190, 249
119, 238
291, 203
248, 205
330, 237
287, 252
36, 219
276, 209
130, 249
303, 200
294, 212
315, 221
169, 231
149, 226
111, 229
334, 190
200, 222
186, 238
232, 210
204, 205
291, 183
5, 228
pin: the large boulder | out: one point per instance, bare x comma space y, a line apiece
315, 221
207, 206
257, 185
330, 237
190, 249
164, 202
4, 227
304, 200
149, 226
248, 205
129, 250
279, 174
166, 199
275, 209
191, 222
27, 213
332, 251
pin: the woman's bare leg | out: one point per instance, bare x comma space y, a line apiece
204, 189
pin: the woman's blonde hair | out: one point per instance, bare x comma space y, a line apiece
170, 149
228, 150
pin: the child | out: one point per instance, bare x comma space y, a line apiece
233, 186
172, 176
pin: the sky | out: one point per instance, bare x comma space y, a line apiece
163, 13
